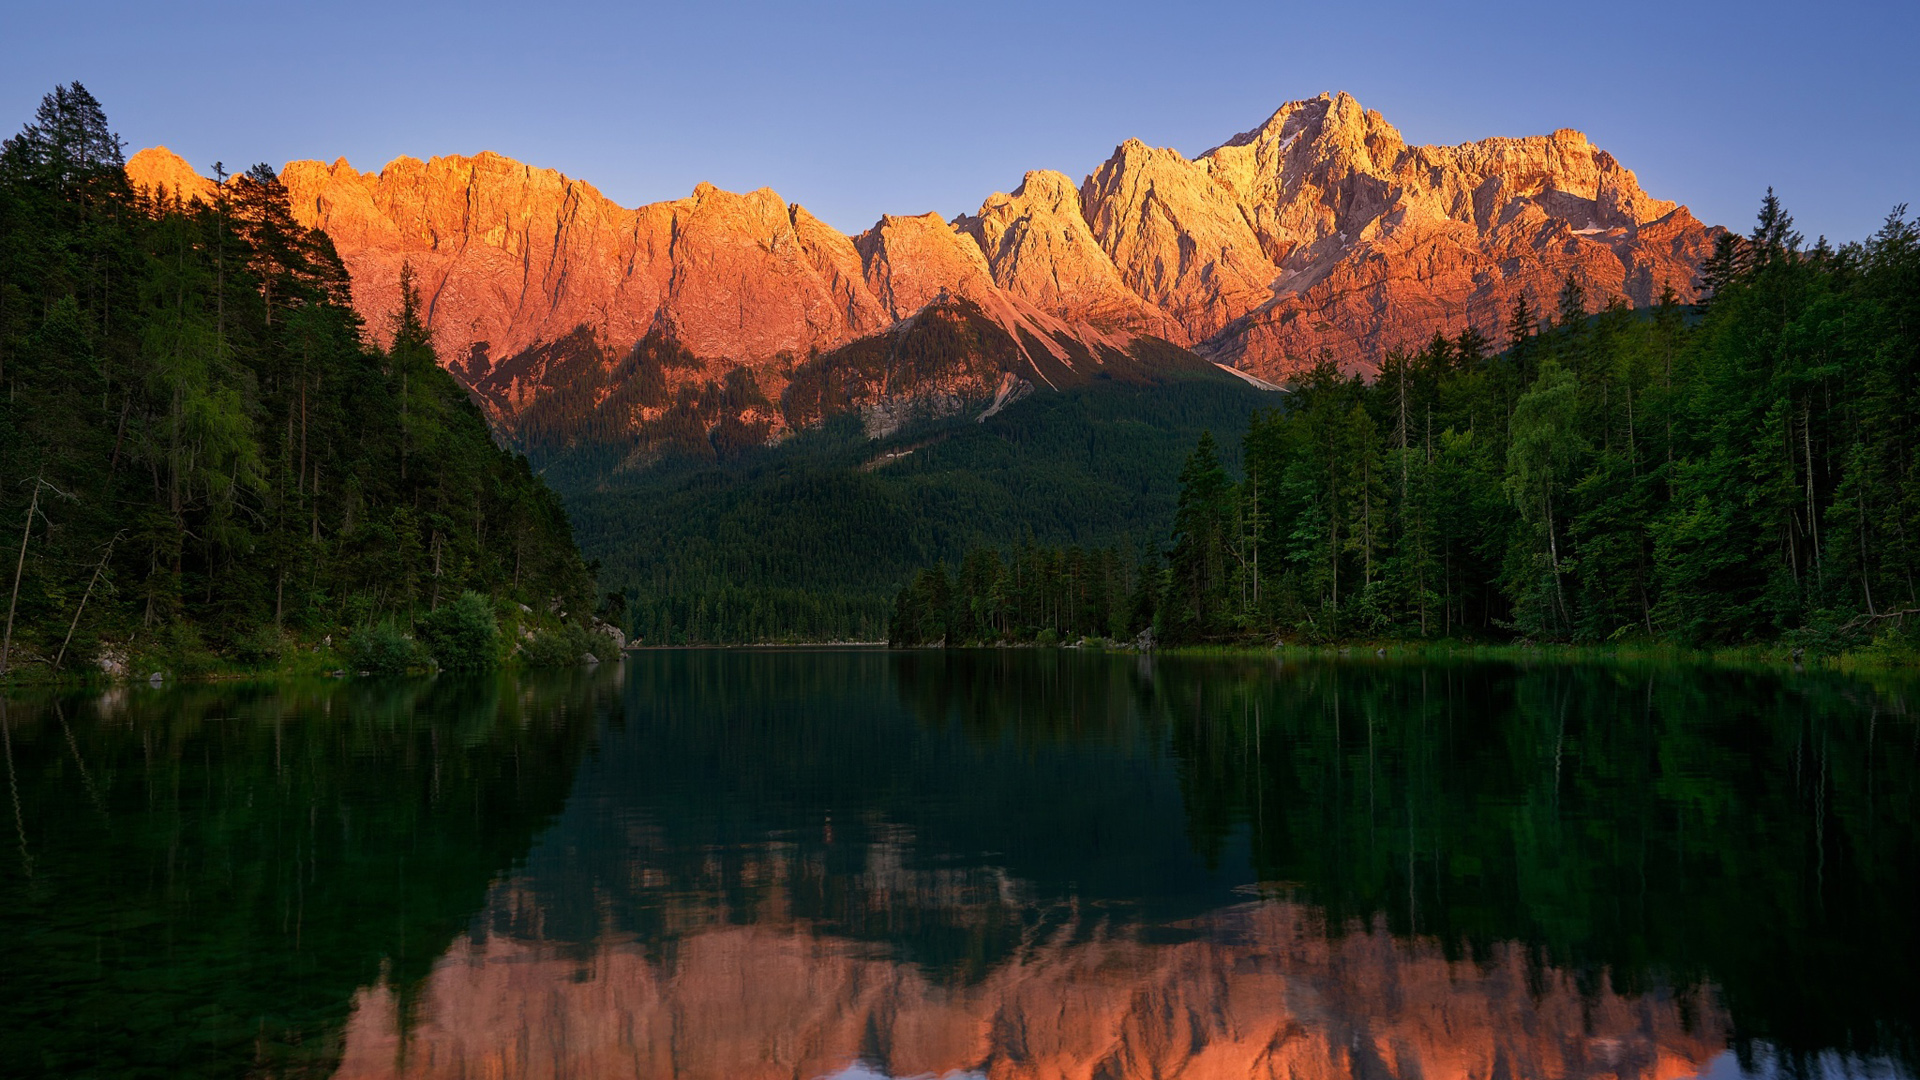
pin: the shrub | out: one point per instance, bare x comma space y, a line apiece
259, 648
462, 635
185, 654
560, 648
381, 649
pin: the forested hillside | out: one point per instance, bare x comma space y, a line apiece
199, 454
1741, 472
808, 540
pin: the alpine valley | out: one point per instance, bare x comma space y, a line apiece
729, 365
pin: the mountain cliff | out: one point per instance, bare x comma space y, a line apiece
1321, 229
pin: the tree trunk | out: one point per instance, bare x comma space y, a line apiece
1813, 520
84, 597
1553, 556
113, 464
19, 567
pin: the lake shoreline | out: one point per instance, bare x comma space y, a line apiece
1776, 658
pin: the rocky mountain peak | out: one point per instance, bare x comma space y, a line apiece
1040, 248
159, 169
1320, 229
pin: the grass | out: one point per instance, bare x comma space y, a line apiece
1776, 656
291, 656
319, 659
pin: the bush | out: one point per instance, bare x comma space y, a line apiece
382, 650
560, 648
461, 636
184, 654
259, 648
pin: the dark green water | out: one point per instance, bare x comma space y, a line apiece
865, 864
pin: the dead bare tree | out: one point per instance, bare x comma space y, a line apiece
84, 597
26, 532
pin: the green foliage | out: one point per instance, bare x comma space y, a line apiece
1197, 564
181, 652
1034, 595
381, 649
462, 635
813, 539
1544, 449
563, 647
219, 459
1610, 477
261, 649
1742, 478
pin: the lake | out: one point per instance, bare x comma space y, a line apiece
1022, 864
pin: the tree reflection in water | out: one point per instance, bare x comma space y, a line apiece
1052, 864
1010, 864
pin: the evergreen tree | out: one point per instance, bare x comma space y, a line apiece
193, 377
1197, 562
1744, 476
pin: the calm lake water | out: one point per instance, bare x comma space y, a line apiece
863, 864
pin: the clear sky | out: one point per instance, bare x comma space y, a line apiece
857, 109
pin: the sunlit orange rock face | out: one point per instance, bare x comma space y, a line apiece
511, 257
161, 171
1257, 991
1376, 243
1319, 230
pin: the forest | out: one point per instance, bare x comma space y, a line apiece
808, 540
202, 459
1736, 472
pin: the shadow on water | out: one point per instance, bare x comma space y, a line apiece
214, 870
1025, 863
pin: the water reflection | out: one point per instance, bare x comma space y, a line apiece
1008, 865
216, 869
1253, 990
1040, 865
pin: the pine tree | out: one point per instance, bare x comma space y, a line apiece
68, 147
1197, 560
194, 377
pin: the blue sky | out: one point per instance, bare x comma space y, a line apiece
857, 109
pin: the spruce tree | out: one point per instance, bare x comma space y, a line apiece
1197, 560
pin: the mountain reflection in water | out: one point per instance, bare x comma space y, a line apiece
1045, 864
1255, 990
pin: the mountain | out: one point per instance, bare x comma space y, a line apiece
1321, 229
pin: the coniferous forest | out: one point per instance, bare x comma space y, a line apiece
1740, 472
808, 540
200, 454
